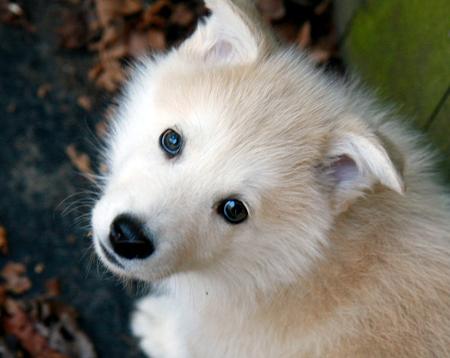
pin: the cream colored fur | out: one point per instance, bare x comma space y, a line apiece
346, 251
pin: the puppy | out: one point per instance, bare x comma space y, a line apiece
277, 211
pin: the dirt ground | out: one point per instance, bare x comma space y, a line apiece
36, 176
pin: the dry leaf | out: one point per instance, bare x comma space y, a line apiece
304, 35
111, 75
81, 161
43, 90
17, 323
74, 33
85, 102
4, 247
53, 287
39, 268
182, 15
156, 39
16, 281
272, 9
156, 14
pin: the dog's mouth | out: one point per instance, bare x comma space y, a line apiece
110, 256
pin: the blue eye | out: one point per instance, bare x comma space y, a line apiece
233, 211
171, 142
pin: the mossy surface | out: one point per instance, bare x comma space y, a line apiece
440, 133
402, 48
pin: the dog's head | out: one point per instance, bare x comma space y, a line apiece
230, 157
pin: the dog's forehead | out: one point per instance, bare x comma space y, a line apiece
248, 113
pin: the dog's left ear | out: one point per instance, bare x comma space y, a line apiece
233, 34
355, 163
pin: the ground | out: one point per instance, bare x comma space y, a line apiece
36, 176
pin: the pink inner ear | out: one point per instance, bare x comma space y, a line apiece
344, 169
221, 51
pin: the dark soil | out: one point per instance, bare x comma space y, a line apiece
36, 175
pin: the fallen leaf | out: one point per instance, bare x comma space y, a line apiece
130, 7
287, 31
16, 322
304, 35
182, 15
109, 75
81, 161
43, 90
156, 14
39, 268
272, 9
16, 281
74, 33
320, 55
85, 102
57, 322
322, 7
156, 39
101, 128
53, 287
12, 13
4, 247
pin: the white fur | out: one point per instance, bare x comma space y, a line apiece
338, 258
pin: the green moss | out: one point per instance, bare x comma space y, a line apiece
402, 47
440, 133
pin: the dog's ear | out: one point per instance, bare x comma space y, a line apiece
233, 34
355, 163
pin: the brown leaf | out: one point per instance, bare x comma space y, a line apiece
16, 281
17, 323
182, 15
131, 7
4, 247
156, 14
12, 13
322, 7
101, 128
110, 36
320, 55
43, 90
114, 52
81, 161
109, 75
3, 295
53, 287
156, 39
287, 31
57, 323
272, 9
304, 35
85, 102
110, 10
74, 33
137, 43
39, 268
107, 10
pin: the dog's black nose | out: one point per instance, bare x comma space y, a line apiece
129, 239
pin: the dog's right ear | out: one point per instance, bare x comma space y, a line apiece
355, 163
233, 34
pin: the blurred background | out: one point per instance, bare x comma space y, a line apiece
61, 64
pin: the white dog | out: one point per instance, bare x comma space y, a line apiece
278, 211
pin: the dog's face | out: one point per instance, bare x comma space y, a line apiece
222, 163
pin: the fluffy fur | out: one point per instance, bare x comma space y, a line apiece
346, 251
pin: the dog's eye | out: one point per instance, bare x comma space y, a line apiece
233, 211
171, 142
